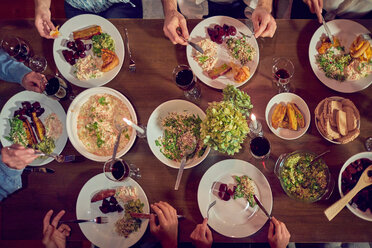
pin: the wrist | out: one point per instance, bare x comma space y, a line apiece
265, 6
169, 7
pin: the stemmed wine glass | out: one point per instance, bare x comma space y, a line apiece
186, 81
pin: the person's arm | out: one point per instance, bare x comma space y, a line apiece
316, 7
174, 20
12, 70
12, 163
43, 21
263, 22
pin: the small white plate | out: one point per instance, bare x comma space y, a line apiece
104, 235
285, 98
364, 215
232, 218
73, 113
346, 31
155, 129
77, 23
50, 106
200, 32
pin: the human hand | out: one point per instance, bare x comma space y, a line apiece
17, 157
202, 236
34, 81
173, 21
316, 7
43, 23
166, 231
54, 237
278, 234
263, 23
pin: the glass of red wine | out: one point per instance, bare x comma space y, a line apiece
260, 147
283, 70
55, 87
119, 170
186, 81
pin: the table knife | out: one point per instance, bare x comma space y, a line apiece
37, 169
327, 30
147, 216
196, 47
261, 206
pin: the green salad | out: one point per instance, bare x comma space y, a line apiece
126, 225
333, 63
17, 134
238, 98
245, 189
102, 41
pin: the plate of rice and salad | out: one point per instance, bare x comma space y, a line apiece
229, 57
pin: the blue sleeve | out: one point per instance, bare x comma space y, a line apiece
10, 180
10, 69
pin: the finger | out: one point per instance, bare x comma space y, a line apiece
159, 212
183, 26
270, 29
47, 234
17, 147
176, 38
172, 211
66, 233
270, 233
164, 208
46, 220
35, 88
261, 28
209, 235
152, 222
63, 227
57, 218
319, 15
256, 24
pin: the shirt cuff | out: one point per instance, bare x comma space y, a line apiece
22, 71
9, 171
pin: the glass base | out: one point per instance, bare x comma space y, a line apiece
193, 94
142, 135
368, 144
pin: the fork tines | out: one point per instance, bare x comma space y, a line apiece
101, 220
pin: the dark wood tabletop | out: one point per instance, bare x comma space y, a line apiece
151, 85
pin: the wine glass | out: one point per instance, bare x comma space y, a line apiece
11, 45
37, 63
186, 81
260, 147
283, 70
118, 170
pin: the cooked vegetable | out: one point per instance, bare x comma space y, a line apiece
46, 145
240, 99
17, 133
102, 41
128, 224
245, 189
39, 126
240, 49
31, 138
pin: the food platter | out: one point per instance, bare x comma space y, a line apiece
285, 133
230, 218
155, 129
346, 31
72, 120
50, 106
364, 215
200, 32
77, 23
104, 235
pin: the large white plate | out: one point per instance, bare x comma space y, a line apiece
104, 235
364, 215
77, 23
50, 106
73, 113
230, 218
346, 31
155, 129
200, 32
285, 98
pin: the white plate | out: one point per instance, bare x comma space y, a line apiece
364, 215
230, 218
346, 31
155, 129
200, 32
316, 123
285, 98
50, 106
104, 235
73, 113
77, 23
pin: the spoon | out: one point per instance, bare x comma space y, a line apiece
120, 127
363, 182
317, 157
190, 149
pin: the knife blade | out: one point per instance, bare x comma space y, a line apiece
262, 207
195, 46
147, 216
330, 36
36, 169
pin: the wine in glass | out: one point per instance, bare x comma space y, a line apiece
119, 170
260, 147
283, 70
186, 81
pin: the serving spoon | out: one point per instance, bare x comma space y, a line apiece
364, 181
189, 151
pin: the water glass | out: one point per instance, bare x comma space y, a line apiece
118, 170
37, 63
186, 81
282, 70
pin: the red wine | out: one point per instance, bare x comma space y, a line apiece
185, 79
120, 170
282, 74
52, 86
260, 146
22, 51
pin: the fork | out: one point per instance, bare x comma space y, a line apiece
132, 64
98, 220
210, 206
59, 158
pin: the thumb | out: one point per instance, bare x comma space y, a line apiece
152, 223
270, 233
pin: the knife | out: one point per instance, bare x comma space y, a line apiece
147, 216
330, 36
262, 207
192, 44
36, 169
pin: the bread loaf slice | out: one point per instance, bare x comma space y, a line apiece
351, 121
341, 122
332, 133
350, 136
333, 107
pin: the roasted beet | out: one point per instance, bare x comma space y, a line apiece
225, 28
39, 112
105, 202
103, 209
71, 44
27, 105
223, 187
68, 55
232, 31
113, 200
120, 209
76, 55
210, 32
230, 192
219, 40
72, 61
36, 105
82, 55
80, 46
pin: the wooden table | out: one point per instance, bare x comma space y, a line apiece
152, 85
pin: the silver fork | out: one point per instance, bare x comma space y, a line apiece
210, 206
132, 64
59, 158
98, 220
